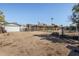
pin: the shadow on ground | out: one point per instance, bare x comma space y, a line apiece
74, 51
55, 37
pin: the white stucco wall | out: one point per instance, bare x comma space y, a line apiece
12, 28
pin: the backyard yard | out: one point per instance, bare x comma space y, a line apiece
35, 43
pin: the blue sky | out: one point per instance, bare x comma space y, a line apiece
34, 13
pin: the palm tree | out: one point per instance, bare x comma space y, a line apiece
51, 20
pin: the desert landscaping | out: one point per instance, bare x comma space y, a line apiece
26, 43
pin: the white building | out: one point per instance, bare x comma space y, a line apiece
12, 27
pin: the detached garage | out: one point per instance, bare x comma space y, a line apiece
12, 27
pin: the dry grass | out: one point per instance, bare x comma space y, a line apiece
25, 43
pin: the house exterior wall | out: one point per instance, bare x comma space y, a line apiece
12, 29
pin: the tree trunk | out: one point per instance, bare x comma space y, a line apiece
2, 29
77, 31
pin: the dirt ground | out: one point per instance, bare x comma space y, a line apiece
26, 44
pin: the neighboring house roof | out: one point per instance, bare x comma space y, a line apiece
12, 24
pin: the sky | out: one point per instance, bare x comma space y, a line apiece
32, 13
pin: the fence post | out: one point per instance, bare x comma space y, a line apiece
61, 31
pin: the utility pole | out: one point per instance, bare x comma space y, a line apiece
52, 22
